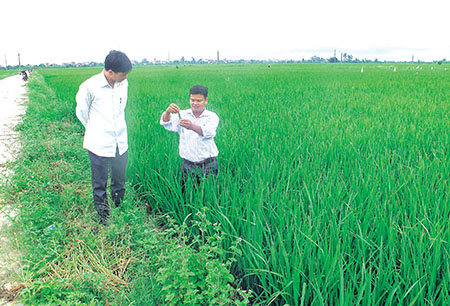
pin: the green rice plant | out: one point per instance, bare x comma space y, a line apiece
335, 180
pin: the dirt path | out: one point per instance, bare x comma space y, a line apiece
12, 90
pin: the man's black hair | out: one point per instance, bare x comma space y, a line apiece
199, 90
118, 62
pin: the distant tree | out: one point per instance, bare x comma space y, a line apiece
334, 59
317, 59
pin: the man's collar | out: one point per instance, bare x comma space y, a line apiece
103, 80
204, 113
105, 83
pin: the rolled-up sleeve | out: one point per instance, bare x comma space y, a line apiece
172, 124
209, 129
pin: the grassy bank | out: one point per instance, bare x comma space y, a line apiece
70, 259
7, 73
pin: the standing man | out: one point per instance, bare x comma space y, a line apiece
101, 102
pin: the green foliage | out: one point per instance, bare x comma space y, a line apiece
336, 180
71, 259
192, 272
7, 73
64, 293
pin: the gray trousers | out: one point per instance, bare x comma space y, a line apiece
100, 166
198, 170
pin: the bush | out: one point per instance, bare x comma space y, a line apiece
192, 271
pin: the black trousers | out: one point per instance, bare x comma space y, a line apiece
100, 166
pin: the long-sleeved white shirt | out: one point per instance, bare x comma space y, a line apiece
101, 109
193, 146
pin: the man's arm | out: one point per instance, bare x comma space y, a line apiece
168, 121
84, 101
187, 124
172, 109
207, 130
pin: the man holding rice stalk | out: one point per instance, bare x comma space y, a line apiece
197, 128
101, 102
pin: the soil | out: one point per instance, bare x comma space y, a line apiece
12, 100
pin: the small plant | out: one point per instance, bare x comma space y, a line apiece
193, 271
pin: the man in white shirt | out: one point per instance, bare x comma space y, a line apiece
101, 102
197, 128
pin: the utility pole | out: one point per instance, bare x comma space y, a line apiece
218, 57
6, 63
18, 54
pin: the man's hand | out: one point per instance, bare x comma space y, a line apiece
187, 124
172, 109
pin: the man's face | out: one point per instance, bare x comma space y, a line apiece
117, 76
198, 103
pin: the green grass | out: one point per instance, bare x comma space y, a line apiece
69, 259
335, 180
76, 262
7, 73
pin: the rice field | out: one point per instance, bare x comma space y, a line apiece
334, 180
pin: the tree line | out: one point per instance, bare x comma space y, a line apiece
345, 58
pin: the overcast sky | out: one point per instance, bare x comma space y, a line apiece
56, 31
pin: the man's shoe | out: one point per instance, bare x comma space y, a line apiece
104, 221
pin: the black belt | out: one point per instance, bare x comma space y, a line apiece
203, 162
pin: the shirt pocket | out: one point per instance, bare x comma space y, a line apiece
122, 99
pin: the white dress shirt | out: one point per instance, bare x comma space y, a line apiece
101, 109
193, 146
